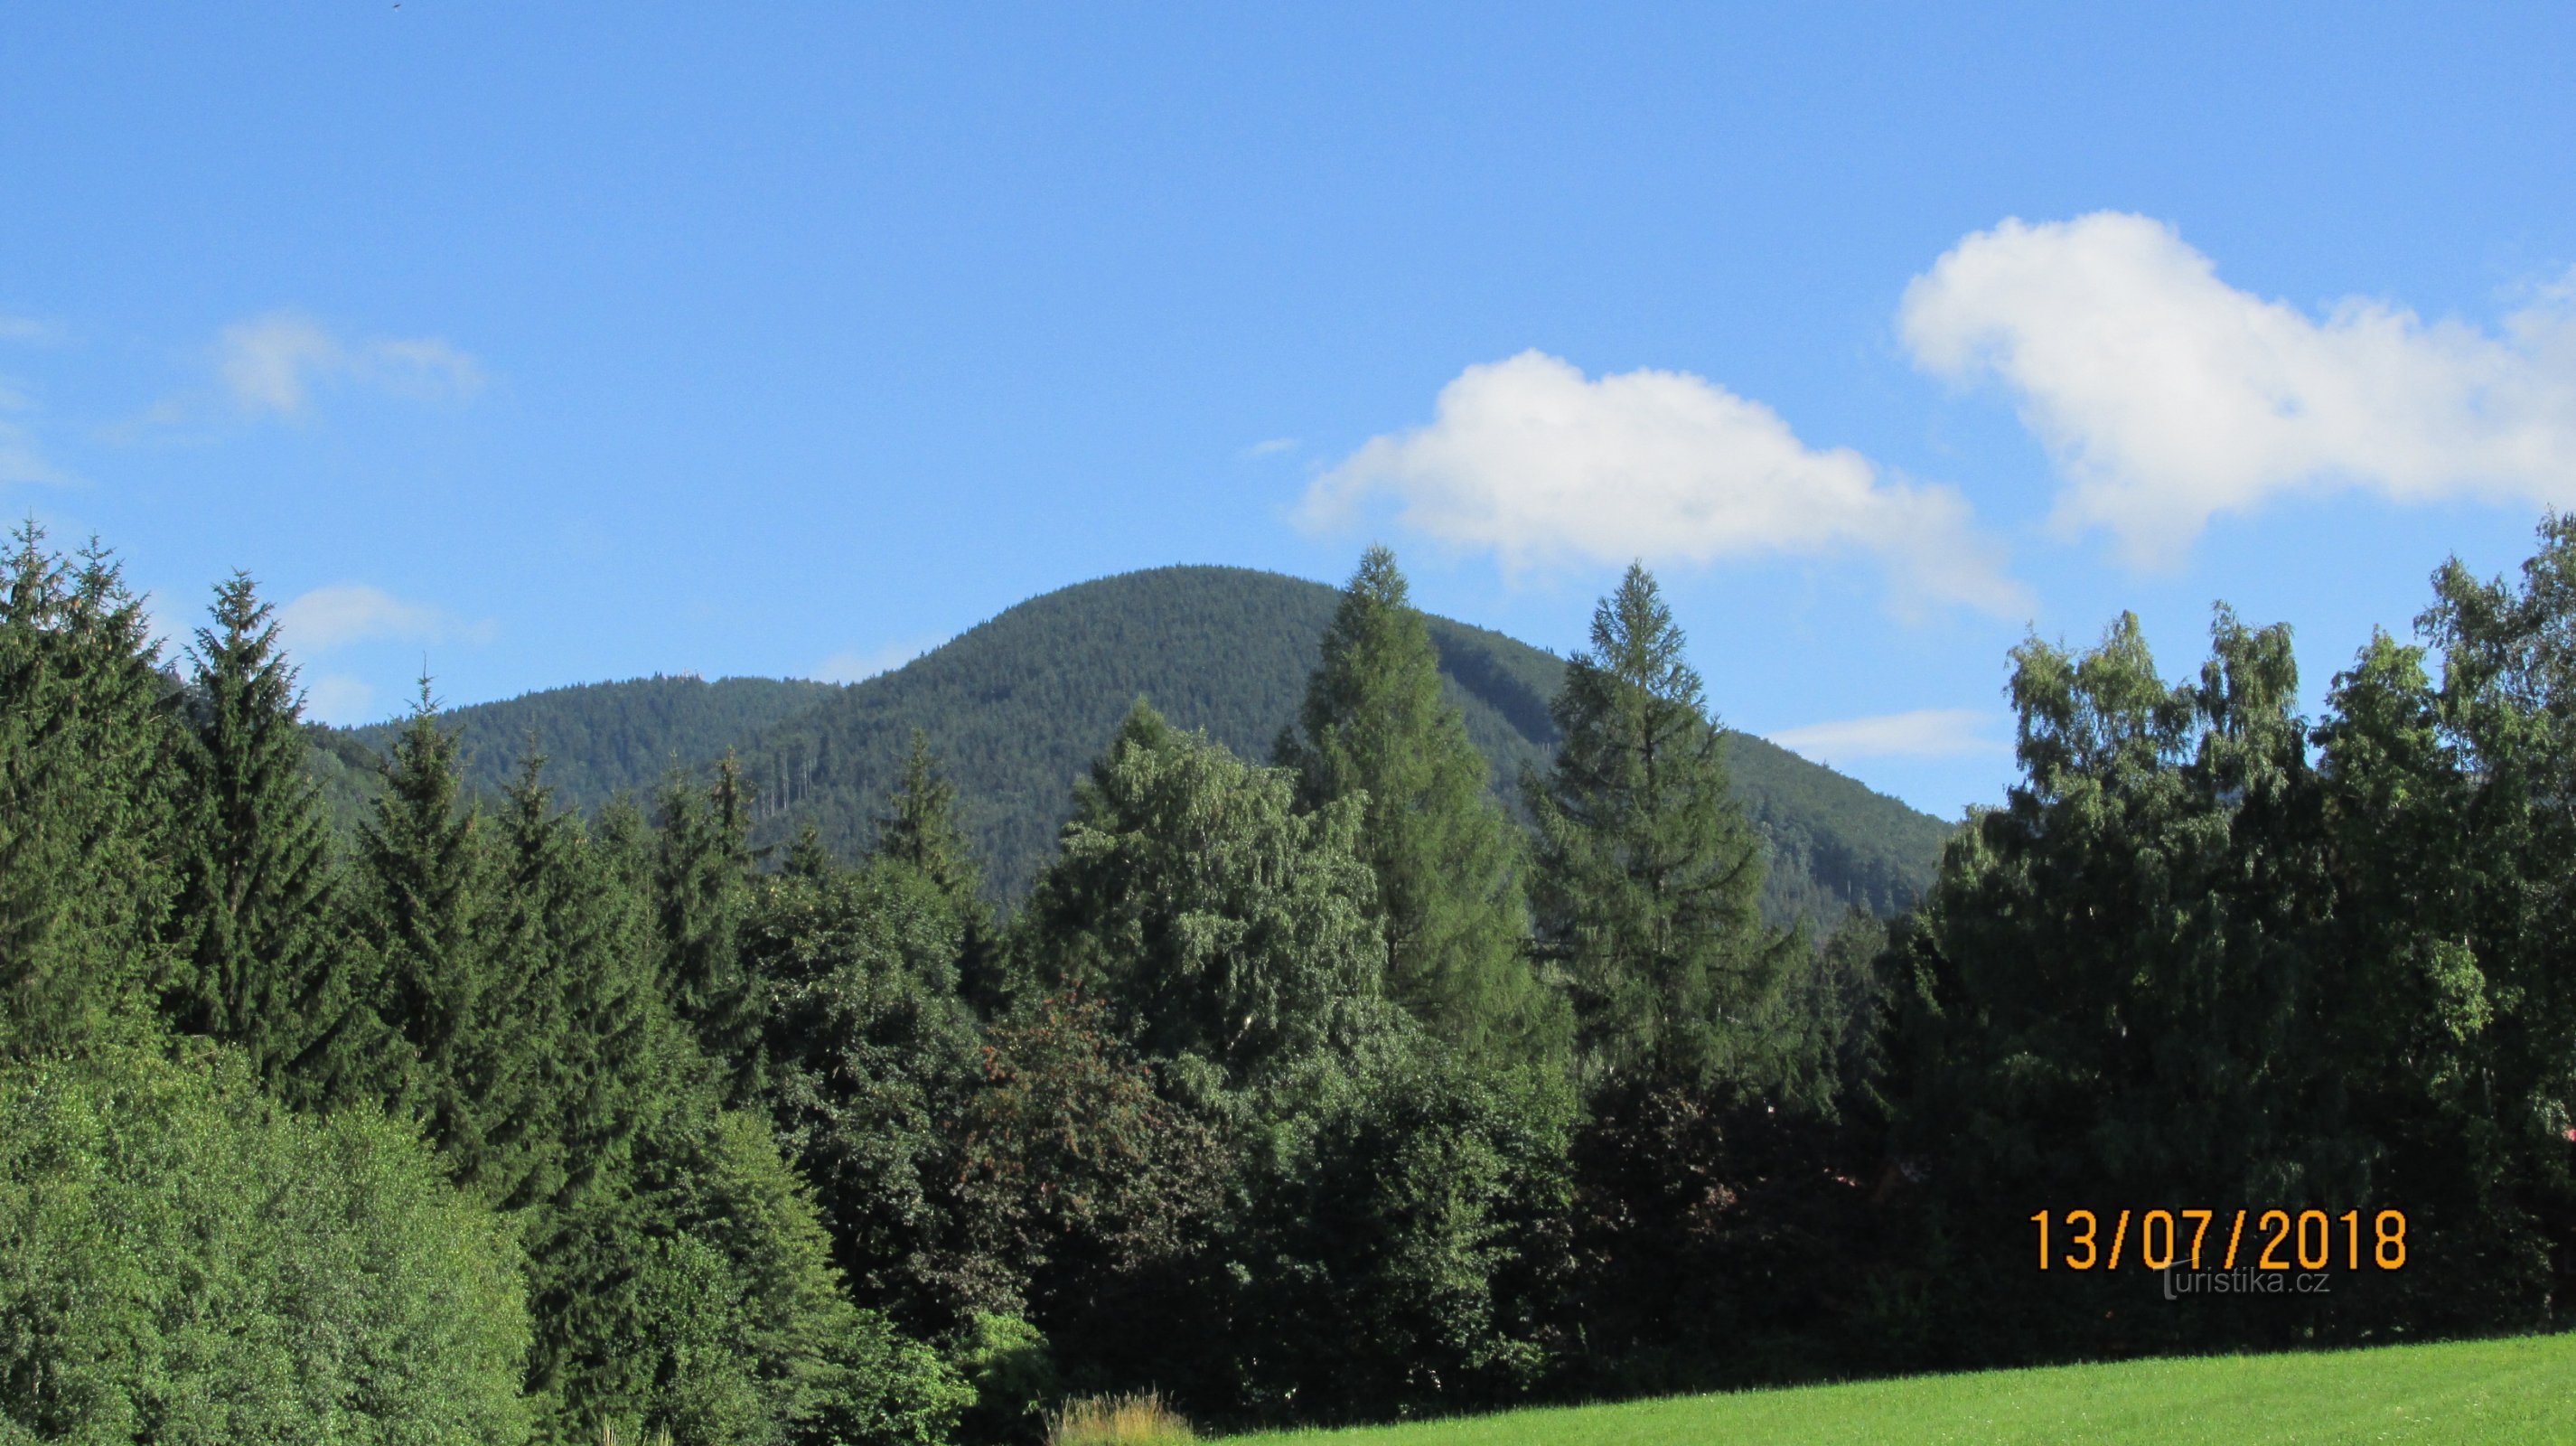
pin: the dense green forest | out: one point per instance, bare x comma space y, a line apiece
600, 739
1312, 1083
1016, 708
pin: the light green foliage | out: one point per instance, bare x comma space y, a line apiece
183, 1262
2508, 1392
1225, 927
1649, 881
1014, 1375
1450, 912
87, 793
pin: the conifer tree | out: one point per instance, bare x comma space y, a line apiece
1450, 908
480, 1022
265, 965
87, 782
921, 831
573, 932
920, 828
1649, 880
702, 882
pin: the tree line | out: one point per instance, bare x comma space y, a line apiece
1309, 1091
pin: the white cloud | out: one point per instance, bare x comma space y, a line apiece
1531, 459
273, 364
852, 665
340, 699
25, 329
1924, 733
333, 617
2168, 396
1271, 447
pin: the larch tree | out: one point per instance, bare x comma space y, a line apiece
1649, 878
1451, 914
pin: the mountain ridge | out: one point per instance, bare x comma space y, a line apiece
1019, 705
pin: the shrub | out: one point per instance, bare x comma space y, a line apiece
182, 1261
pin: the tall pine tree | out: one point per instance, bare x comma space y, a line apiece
1649, 880
1450, 909
264, 962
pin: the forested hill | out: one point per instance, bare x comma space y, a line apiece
598, 738
1018, 707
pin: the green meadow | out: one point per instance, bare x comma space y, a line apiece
2517, 1390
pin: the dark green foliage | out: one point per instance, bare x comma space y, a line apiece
1449, 908
701, 886
87, 793
1084, 1195
1725, 1243
264, 962
1649, 879
603, 739
181, 1261
1416, 1201
869, 1050
1226, 929
715, 1313
1017, 706
919, 830
470, 986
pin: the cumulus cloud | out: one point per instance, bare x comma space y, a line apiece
1531, 459
2168, 396
1924, 733
273, 364
853, 665
334, 617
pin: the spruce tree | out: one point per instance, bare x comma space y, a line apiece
920, 828
87, 783
921, 831
702, 886
477, 1015
1450, 910
1649, 879
264, 963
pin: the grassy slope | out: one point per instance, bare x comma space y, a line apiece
2520, 1390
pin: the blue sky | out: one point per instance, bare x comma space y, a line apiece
562, 343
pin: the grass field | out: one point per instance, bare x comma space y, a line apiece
2520, 1390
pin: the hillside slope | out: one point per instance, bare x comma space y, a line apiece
1018, 707
598, 738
